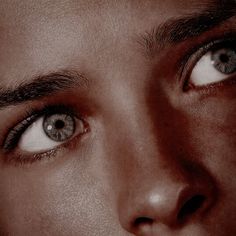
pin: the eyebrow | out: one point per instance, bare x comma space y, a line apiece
170, 32
177, 30
41, 86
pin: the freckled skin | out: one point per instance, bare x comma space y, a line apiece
150, 146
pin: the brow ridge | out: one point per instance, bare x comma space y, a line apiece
176, 30
41, 86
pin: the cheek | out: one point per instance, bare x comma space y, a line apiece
66, 198
213, 136
213, 124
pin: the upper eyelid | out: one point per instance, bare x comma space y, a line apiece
179, 30
15, 132
210, 42
225, 30
213, 45
31, 117
195, 52
16, 157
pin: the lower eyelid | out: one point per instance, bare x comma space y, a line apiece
206, 74
29, 116
18, 157
9, 144
31, 144
214, 88
192, 59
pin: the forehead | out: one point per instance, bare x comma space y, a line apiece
78, 6
27, 14
44, 35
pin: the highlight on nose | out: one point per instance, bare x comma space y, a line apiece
173, 209
186, 211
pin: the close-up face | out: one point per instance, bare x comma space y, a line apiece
117, 118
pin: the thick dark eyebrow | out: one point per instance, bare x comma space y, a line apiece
174, 31
41, 86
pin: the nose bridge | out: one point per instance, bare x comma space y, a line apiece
162, 191
151, 176
159, 186
142, 151
145, 151
157, 181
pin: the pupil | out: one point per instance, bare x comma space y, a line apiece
224, 58
59, 124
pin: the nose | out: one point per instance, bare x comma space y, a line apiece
155, 206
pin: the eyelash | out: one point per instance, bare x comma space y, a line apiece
14, 134
194, 55
189, 61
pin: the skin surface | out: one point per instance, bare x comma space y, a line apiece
150, 147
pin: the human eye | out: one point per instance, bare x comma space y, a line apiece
215, 64
44, 131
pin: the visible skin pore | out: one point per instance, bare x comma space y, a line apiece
150, 146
